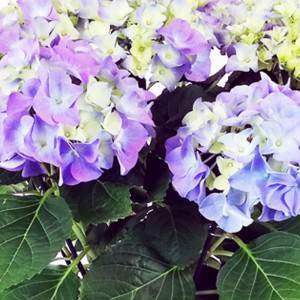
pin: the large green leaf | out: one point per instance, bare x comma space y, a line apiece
291, 225
100, 202
176, 232
32, 231
49, 285
267, 269
130, 271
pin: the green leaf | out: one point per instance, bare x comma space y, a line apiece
267, 269
100, 202
157, 178
32, 231
110, 202
7, 177
130, 271
50, 284
181, 228
13, 188
291, 225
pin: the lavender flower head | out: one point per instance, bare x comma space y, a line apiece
238, 151
63, 103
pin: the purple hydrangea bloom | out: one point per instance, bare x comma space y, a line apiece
189, 172
231, 212
280, 196
55, 99
200, 66
9, 31
16, 129
186, 52
76, 57
41, 143
79, 162
252, 177
36, 8
183, 37
128, 143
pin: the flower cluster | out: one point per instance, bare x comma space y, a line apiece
238, 151
61, 102
254, 33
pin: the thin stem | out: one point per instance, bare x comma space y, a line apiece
206, 293
48, 193
80, 234
213, 80
239, 242
218, 243
222, 253
213, 264
73, 265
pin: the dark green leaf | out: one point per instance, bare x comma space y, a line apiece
157, 178
101, 202
74, 195
130, 271
177, 233
7, 177
31, 234
267, 269
49, 285
291, 225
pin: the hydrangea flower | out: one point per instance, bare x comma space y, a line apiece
64, 102
253, 33
251, 155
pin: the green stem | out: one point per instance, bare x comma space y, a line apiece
217, 243
213, 264
48, 193
80, 234
222, 253
72, 266
207, 293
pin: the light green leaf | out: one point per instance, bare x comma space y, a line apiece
130, 271
32, 231
267, 269
46, 286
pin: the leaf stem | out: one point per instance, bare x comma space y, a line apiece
213, 264
218, 242
240, 243
80, 234
222, 253
69, 270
